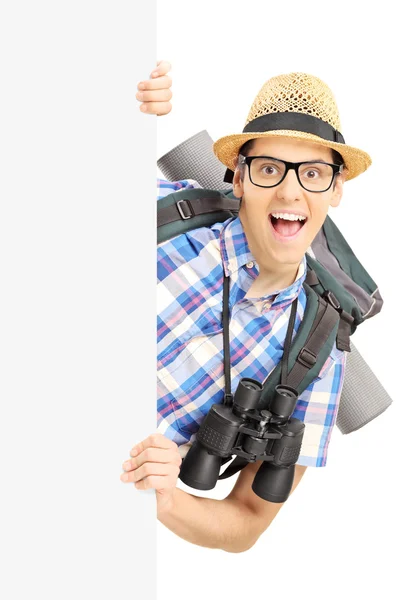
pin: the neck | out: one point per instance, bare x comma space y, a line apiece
268, 282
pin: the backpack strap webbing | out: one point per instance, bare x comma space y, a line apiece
190, 209
344, 331
346, 322
315, 337
325, 321
184, 208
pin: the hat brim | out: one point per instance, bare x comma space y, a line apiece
226, 149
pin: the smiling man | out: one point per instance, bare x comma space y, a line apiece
284, 203
288, 166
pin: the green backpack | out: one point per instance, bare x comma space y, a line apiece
340, 293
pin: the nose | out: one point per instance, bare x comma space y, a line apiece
289, 189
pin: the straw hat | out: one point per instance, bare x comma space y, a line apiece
298, 106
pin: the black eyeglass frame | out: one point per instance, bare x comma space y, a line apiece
295, 166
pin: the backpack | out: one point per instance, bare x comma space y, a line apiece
340, 293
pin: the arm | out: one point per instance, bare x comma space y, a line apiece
233, 524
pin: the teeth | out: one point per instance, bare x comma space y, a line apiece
288, 216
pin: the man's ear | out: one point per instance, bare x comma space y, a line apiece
237, 184
338, 189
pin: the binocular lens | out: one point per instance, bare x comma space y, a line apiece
286, 391
250, 386
284, 401
248, 394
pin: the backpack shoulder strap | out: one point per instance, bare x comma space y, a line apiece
310, 347
185, 210
325, 284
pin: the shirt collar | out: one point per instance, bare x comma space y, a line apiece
235, 249
236, 253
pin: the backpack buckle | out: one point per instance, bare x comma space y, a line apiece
307, 358
331, 298
189, 210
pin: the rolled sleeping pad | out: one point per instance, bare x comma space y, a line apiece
363, 397
194, 159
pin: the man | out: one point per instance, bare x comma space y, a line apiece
289, 165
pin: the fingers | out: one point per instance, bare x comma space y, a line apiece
156, 455
156, 108
155, 463
155, 440
151, 470
156, 84
155, 93
154, 96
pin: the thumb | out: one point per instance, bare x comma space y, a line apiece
163, 67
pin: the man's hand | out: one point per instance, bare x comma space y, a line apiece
155, 463
155, 93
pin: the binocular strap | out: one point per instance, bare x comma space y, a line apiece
239, 462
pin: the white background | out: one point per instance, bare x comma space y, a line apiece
337, 535
77, 312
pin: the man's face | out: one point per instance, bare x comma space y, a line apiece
270, 248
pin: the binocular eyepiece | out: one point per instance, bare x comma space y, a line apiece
242, 430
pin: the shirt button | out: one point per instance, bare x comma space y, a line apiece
250, 265
267, 305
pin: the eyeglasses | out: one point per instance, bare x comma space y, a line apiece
313, 176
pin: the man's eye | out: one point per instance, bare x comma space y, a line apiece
269, 170
312, 174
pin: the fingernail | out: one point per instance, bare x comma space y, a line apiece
126, 465
125, 477
155, 74
139, 96
133, 452
141, 86
143, 108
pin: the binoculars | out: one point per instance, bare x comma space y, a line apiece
238, 428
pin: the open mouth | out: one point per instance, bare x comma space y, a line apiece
288, 227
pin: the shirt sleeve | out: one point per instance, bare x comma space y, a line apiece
317, 407
165, 187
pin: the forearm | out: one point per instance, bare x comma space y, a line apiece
223, 524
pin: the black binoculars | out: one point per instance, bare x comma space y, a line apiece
242, 430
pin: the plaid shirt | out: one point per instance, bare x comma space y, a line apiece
190, 344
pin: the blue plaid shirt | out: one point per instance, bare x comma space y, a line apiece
190, 344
